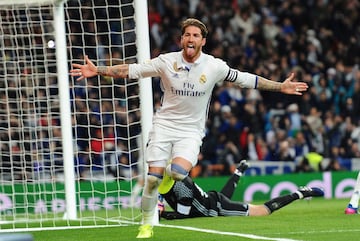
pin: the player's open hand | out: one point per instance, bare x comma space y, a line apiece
291, 87
84, 70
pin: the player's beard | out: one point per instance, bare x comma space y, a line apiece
191, 53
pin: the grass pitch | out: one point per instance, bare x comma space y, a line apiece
316, 219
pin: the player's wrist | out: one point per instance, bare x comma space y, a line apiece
281, 87
101, 70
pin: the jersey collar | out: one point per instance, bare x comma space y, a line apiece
180, 62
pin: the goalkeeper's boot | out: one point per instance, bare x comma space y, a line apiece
243, 165
351, 210
305, 192
145, 231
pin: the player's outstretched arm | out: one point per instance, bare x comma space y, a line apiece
173, 215
289, 86
90, 70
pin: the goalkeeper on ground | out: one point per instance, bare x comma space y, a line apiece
188, 200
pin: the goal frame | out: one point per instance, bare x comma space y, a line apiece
145, 96
30, 2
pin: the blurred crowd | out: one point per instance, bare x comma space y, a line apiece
105, 122
319, 40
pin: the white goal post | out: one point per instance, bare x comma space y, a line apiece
71, 150
29, 2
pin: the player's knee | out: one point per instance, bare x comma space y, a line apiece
177, 172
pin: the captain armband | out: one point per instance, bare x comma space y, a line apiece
244, 79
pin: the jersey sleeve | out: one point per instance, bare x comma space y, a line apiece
243, 79
150, 68
173, 215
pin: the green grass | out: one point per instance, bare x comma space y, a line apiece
317, 219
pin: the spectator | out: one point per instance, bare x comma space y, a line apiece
314, 120
314, 37
294, 118
315, 160
301, 146
97, 150
303, 166
334, 165
283, 153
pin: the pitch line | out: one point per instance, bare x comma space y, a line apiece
327, 231
250, 236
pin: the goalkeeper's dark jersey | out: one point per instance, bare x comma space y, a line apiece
188, 199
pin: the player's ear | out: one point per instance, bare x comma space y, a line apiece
203, 42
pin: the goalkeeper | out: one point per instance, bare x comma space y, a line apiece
189, 200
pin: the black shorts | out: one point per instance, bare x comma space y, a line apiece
226, 207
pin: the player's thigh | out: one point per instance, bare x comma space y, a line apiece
158, 150
187, 148
228, 207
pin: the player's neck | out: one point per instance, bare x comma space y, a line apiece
191, 60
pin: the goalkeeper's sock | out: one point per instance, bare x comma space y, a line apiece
231, 184
280, 202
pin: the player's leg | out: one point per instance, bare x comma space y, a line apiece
179, 168
282, 201
157, 153
231, 184
149, 201
232, 208
353, 205
185, 155
227, 207
150, 194
184, 149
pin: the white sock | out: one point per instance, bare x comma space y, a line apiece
301, 196
150, 216
237, 172
354, 201
149, 199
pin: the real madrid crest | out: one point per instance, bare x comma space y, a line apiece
202, 79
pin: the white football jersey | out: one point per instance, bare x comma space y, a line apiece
187, 88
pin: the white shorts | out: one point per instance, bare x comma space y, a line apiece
165, 145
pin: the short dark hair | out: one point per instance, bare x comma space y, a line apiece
194, 22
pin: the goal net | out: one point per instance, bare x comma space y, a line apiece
71, 151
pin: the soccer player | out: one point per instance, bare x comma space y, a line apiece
187, 80
188, 200
353, 205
